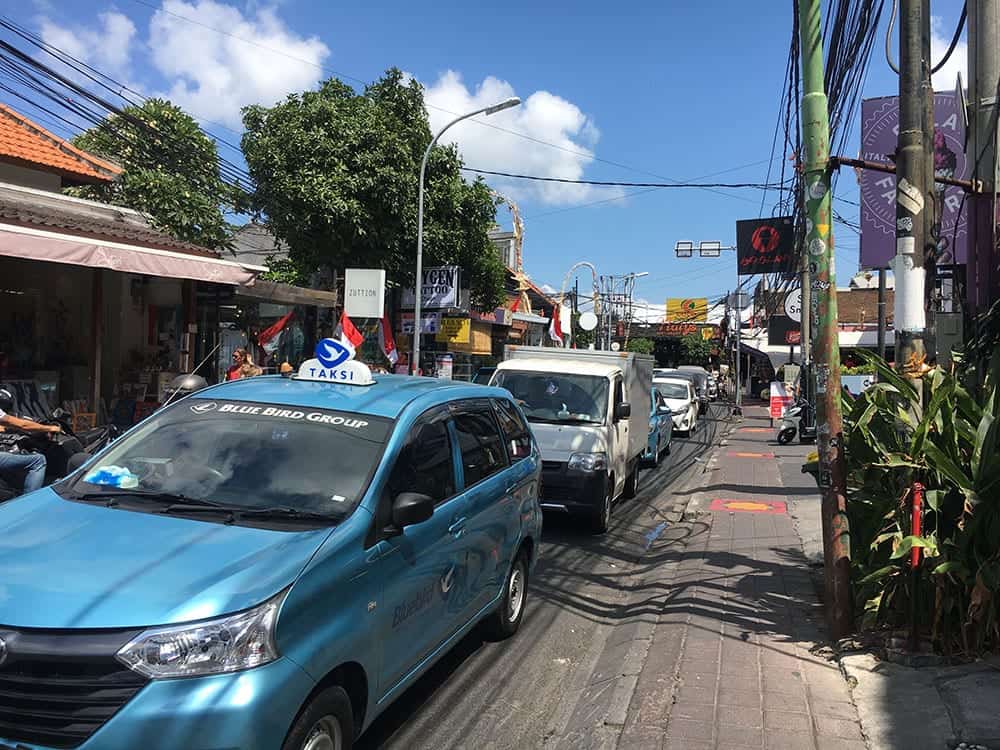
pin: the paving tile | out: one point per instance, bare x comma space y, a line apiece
786, 721
833, 709
774, 740
689, 730
739, 716
693, 711
838, 728
829, 743
741, 670
736, 735
785, 701
777, 680
732, 696
684, 743
640, 738
689, 694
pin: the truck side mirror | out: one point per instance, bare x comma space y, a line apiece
623, 411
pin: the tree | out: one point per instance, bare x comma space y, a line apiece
639, 346
170, 172
695, 349
336, 174
581, 339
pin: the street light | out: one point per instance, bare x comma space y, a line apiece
713, 249
418, 282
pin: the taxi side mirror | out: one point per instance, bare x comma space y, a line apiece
411, 508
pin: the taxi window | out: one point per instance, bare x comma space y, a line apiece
425, 464
515, 431
246, 456
480, 443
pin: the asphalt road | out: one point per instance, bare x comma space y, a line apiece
521, 693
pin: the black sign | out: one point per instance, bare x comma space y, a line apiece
783, 331
765, 245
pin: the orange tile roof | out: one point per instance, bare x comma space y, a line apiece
28, 144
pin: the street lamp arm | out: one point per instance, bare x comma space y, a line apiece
418, 281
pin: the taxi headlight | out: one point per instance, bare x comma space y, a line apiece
588, 461
226, 644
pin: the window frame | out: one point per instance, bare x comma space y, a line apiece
511, 460
475, 406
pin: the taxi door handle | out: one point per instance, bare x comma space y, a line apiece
457, 528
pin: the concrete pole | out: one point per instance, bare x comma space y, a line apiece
826, 348
912, 199
881, 313
984, 72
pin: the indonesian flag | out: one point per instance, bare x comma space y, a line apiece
270, 338
386, 341
555, 328
348, 334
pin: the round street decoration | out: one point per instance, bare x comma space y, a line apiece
765, 239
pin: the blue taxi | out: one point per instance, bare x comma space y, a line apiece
267, 563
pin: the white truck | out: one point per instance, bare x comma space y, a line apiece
589, 412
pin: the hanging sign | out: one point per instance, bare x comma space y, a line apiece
429, 322
439, 289
765, 246
364, 292
454, 331
783, 331
781, 399
687, 310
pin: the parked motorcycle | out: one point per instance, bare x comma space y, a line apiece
797, 421
59, 449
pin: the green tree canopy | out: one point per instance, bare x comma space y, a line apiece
170, 171
640, 346
695, 350
336, 174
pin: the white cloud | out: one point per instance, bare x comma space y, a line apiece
108, 47
944, 79
543, 116
214, 75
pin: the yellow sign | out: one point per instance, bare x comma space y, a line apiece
454, 331
688, 310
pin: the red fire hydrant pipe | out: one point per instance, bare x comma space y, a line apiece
916, 508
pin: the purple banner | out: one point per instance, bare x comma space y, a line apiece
879, 133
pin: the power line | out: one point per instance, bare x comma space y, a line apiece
606, 183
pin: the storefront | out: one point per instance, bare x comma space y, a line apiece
98, 310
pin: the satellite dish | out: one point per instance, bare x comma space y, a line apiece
587, 321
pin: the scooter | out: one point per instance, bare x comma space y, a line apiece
797, 420
59, 449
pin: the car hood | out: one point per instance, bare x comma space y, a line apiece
69, 565
678, 405
558, 442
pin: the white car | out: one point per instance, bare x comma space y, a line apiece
680, 396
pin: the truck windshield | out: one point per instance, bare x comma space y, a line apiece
244, 457
557, 397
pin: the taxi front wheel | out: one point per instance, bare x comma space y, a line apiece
504, 621
326, 723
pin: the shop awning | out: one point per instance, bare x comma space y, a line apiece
531, 318
286, 294
31, 243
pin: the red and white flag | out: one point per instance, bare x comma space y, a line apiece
386, 341
270, 338
555, 327
348, 334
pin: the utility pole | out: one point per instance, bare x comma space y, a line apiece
881, 313
912, 199
932, 211
984, 72
826, 348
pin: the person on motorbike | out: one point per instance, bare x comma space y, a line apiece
15, 465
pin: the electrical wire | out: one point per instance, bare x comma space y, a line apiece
954, 38
606, 183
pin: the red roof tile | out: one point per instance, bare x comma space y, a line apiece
28, 144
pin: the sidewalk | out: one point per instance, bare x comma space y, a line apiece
731, 662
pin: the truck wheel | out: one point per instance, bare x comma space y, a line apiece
600, 521
632, 483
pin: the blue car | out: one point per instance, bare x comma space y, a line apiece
661, 429
267, 563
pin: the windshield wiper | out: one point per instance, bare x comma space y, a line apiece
283, 511
108, 497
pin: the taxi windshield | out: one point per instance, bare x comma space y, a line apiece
244, 457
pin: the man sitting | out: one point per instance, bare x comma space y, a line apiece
15, 465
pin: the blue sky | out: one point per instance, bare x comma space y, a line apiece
670, 89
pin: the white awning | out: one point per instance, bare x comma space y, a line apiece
56, 247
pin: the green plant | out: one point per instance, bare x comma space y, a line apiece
945, 437
695, 350
865, 369
639, 346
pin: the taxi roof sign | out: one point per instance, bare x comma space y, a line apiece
334, 363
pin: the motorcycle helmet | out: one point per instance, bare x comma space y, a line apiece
6, 401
